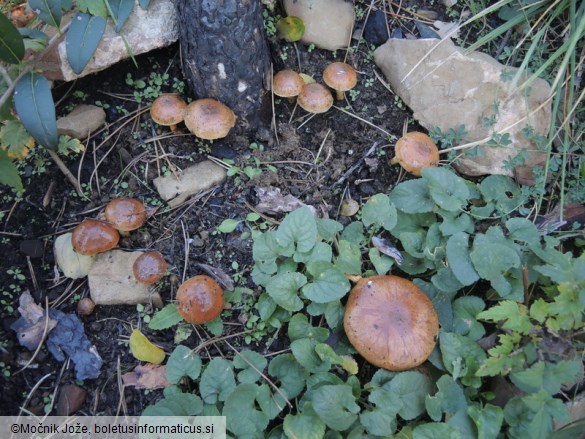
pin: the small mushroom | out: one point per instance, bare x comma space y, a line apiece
287, 84
209, 119
415, 151
149, 267
315, 98
85, 306
391, 322
91, 237
200, 299
125, 214
168, 110
341, 77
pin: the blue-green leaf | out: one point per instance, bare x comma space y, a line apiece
183, 362
217, 381
447, 189
335, 405
305, 425
487, 419
298, 228
11, 44
251, 363
83, 38
48, 11
144, 4
380, 212
436, 430
121, 10
242, 416
284, 290
459, 260
177, 404
412, 196
36, 109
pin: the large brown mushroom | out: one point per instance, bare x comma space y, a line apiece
415, 151
91, 237
125, 214
200, 299
391, 322
315, 98
168, 110
341, 77
209, 119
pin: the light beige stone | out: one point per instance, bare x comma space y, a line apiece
111, 281
196, 178
447, 88
82, 121
328, 23
145, 30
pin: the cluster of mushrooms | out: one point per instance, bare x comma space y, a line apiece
206, 118
314, 97
199, 299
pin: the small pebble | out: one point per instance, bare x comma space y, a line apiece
375, 31
71, 399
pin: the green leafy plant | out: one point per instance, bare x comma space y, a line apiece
458, 237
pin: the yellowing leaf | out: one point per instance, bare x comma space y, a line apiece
144, 350
68, 145
307, 79
15, 140
349, 364
290, 28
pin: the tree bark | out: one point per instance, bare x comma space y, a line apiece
225, 56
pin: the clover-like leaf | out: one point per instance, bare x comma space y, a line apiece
412, 196
449, 399
304, 425
299, 327
217, 381
491, 261
465, 310
298, 228
304, 352
448, 190
251, 364
380, 212
459, 259
242, 417
488, 420
183, 362
329, 285
335, 405
284, 290
176, 404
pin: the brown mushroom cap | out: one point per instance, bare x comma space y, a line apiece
149, 267
209, 119
126, 214
168, 109
287, 83
340, 76
391, 322
85, 306
315, 98
91, 237
200, 299
415, 151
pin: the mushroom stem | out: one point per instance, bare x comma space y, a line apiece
394, 160
340, 95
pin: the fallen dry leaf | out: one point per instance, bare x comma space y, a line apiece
31, 325
272, 201
146, 376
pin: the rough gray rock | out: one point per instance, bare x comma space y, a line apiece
328, 23
447, 88
82, 121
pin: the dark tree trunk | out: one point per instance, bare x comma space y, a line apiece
225, 56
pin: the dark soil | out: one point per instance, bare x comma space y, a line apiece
312, 158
